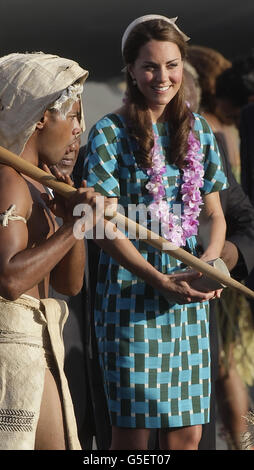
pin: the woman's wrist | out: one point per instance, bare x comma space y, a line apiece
154, 278
211, 253
163, 282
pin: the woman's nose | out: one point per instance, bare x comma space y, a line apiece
162, 74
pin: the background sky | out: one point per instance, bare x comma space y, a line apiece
90, 31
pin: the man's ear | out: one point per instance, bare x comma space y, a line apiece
251, 99
40, 124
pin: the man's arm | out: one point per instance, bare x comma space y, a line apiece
247, 150
22, 267
238, 251
69, 271
240, 234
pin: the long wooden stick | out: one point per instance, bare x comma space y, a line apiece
179, 253
26, 168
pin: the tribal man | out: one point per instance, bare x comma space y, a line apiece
40, 117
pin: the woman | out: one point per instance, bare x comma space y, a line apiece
153, 335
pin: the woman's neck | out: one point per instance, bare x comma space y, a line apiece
157, 114
122, 111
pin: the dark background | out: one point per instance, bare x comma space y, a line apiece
90, 31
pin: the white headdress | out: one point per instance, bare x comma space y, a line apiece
143, 19
65, 102
29, 84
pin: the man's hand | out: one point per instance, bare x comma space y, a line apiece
57, 204
63, 207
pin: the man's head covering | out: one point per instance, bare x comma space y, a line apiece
30, 84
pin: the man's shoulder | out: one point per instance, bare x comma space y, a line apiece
8, 171
9, 176
13, 189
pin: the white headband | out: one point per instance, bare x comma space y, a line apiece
143, 19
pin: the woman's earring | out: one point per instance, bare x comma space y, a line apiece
134, 82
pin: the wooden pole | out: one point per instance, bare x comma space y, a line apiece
26, 168
179, 253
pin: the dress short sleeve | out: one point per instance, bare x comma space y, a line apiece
214, 177
100, 164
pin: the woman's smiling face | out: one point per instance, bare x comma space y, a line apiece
158, 71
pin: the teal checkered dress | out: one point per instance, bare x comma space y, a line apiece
154, 354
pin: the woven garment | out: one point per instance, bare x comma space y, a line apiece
30, 341
155, 355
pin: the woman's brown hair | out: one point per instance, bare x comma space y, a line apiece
177, 112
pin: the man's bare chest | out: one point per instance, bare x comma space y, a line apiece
41, 223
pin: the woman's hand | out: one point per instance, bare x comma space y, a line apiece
176, 288
210, 256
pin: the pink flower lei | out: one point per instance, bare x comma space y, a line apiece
177, 228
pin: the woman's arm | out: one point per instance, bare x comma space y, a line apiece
217, 226
175, 288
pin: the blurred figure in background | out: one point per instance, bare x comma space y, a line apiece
247, 150
192, 88
234, 92
81, 357
235, 89
233, 309
209, 64
74, 331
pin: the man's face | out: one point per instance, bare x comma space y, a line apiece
66, 165
58, 134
